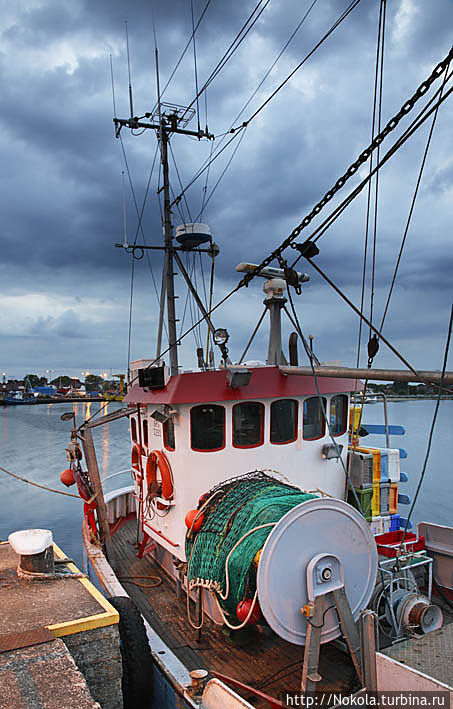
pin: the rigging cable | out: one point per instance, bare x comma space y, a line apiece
236, 130
140, 212
378, 70
383, 7
336, 24
222, 174
365, 319
311, 358
416, 123
205, 188
362, 158
130, 319
411, 210
232, 48
180, 183
282, 51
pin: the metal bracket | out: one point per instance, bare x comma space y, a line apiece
325, 586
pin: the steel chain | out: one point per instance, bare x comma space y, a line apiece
363, 157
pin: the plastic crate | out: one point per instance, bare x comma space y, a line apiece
375, 506
393, 498
384, 465
384, 493
386, 523
360, 466
393, 462
364, 495
394, 523
376, 453
376, 526
389, 543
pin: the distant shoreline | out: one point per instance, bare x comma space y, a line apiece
53, 400
407, 397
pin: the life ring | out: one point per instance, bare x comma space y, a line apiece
136, 460
158, 460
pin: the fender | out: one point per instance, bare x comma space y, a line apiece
158, 460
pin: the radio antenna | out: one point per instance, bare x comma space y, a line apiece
129, 71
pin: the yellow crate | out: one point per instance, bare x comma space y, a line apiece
375, 502
355, 413
393, 499
376, 461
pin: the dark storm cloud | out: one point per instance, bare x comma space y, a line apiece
61, 180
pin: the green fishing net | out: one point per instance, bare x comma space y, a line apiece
236, 507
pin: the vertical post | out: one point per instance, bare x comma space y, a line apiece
93, 471
275, 354
168, 237
368, 649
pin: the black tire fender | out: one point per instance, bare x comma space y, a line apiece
137, 660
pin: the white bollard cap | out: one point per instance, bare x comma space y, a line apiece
30, 541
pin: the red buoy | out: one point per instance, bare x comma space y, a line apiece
190, 516
67, 477
243, 609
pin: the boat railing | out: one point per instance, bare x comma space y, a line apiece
109, 477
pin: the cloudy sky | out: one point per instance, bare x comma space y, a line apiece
66, 289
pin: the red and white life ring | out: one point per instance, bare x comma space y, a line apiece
157, 460
136, 461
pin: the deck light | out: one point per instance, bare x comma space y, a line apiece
162, 413
238, 377
330, 451
221, 336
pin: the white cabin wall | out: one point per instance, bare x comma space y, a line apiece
196, 472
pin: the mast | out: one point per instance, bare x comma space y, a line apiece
168, 239
168, 122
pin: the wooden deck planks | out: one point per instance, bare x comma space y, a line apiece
267, 662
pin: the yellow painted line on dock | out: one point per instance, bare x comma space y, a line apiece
100, 620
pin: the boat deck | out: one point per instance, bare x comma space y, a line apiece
265, 662
431, 654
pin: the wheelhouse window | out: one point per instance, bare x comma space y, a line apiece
283, 421
207, 427
133, 429
145, 432
314, 423
338, 414
248, 424
169, 434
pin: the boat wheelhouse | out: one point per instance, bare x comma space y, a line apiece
210, 430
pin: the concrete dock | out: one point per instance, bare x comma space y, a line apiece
59, 640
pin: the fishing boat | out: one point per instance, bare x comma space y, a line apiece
264, 546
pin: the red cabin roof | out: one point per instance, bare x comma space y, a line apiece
210, 386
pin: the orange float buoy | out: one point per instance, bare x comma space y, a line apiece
67, 477
190, 516
243, 609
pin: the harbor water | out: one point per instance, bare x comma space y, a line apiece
33, 441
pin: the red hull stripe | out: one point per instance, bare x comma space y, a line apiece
266, 383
